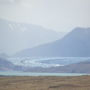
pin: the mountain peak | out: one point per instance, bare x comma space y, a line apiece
74, 44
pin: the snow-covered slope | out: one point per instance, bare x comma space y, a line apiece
17, 36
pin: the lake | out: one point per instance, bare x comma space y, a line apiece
15, 73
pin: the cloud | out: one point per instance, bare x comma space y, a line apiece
22, 3
7, 1
26, 3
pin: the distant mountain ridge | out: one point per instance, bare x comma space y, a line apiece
6, 65
81, 67
74, 44
18, 36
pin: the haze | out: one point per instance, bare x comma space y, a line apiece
59, 15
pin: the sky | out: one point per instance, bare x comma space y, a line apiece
58, 15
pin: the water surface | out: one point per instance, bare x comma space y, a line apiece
15, 73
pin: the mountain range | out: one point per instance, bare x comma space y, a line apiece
18, 36
81, 67
74, 44
6, 65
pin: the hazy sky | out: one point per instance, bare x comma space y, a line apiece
59, 15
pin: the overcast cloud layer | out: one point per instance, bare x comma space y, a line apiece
59, 15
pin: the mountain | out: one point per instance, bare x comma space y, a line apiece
81, 67
74, 44
5, 65
18, 36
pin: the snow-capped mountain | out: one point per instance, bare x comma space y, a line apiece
17, 36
